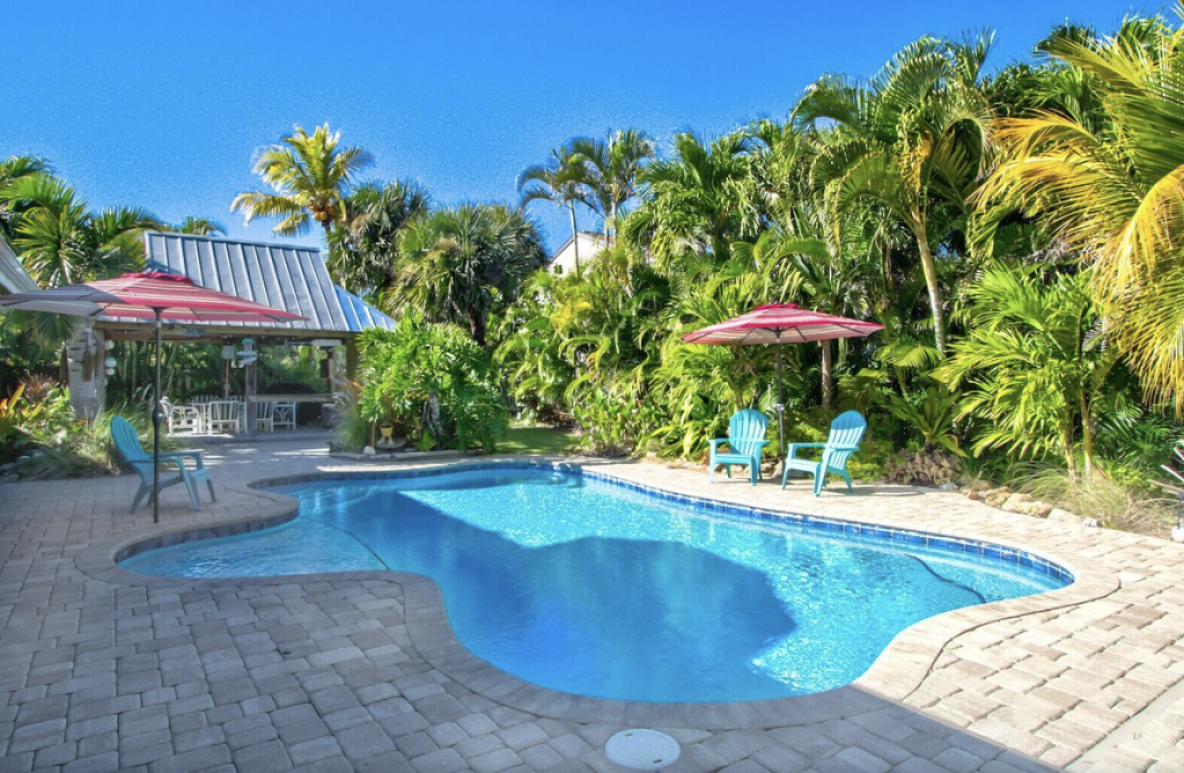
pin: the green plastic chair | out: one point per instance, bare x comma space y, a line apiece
845, 433
746, 439
128, 445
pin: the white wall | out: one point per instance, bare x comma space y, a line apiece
564, 261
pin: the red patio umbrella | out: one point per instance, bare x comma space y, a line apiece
778, 323
151, 295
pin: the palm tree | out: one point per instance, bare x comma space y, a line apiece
310, 176
1112, 188
12, 169
1035, 362
696, 205
364, 255
61, 242
611, 168
779, 165
559, 180
465, 263
914, 139
200, 226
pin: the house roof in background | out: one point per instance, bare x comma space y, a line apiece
13, 277
586, 237
294, 279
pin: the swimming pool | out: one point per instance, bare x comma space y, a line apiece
579, 584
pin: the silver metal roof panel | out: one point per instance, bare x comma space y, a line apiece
13, 277
294, 279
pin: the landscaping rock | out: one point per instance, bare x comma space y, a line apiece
997, 496
1034, 509
923, 468
1014, 501
1064, 516
6, 467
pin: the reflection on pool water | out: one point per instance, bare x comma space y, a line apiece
580, 585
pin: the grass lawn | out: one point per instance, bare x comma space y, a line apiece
537, 440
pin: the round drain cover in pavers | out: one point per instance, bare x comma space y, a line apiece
642, 749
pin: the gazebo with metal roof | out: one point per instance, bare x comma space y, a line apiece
294, 279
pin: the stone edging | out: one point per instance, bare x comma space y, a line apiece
899, 670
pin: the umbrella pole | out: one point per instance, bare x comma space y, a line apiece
156, 428
780, 402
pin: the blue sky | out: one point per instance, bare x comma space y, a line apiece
162, 105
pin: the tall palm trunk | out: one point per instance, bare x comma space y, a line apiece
1087, 434
1068, 435
827, 376
930, 269
477, 327
575, 234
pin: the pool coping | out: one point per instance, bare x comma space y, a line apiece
899, 670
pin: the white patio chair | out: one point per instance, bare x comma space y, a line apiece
225, 416
182, 418
264, 415
283, 415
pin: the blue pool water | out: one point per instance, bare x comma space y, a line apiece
584, 586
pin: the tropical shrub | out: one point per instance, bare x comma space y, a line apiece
433, 383
48, 442
14, 437
37, 413
930, 415
351, 430
871, 463
81, 450
1035, 365
611, 417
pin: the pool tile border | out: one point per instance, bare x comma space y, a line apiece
899, 670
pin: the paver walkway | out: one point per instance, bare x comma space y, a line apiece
104, 670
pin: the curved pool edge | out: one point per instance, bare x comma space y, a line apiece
899, 670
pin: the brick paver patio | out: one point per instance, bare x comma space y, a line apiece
105, 670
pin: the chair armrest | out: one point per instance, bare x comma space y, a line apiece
715, 444
177, 456
843, 448
792, 448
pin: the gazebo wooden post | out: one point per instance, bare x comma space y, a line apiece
249, 390
351, 357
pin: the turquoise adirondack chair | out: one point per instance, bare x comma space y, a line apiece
845, 433
746, 438
128, 445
